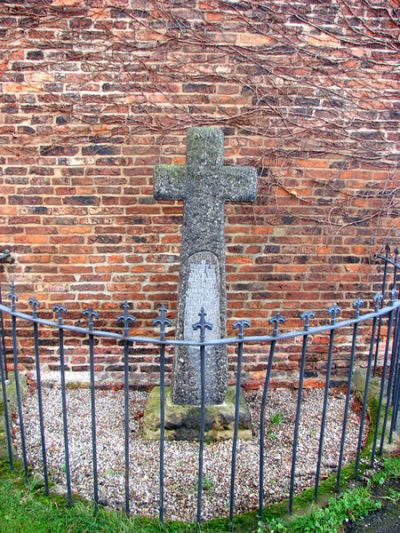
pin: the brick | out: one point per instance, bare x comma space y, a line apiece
198, 88
79, 143
254, 39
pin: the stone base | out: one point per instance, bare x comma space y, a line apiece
182, 422
12, 407
374, 387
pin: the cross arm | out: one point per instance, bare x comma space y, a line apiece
240, 184
169, 182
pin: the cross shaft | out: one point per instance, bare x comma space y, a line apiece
204, 184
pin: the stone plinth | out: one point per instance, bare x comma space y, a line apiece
182, 422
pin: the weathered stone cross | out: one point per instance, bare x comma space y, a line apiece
204, 184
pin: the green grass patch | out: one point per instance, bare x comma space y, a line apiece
351, 505
25, 508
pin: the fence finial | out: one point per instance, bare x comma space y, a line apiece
59, 309
13, 295
276, 320
357, 304
202, 324
90, 314
307, 316
126, 318
162, 321
378, 299
393, 295
240, 325
334, 311
387, 248
34, 302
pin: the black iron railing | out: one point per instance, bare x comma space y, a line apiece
384, 344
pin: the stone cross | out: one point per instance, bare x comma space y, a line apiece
204, 184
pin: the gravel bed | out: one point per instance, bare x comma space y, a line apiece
181, 457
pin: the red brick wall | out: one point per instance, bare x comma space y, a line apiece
92, 97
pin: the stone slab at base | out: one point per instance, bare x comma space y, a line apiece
182, 422
358, 388
12, 407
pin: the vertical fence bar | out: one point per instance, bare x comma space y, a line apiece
378, 336
386, 415
377, 300
126, 319
394, 357
34, 303
91, 314
395, 332
2, 338
126, 425
382, 387
333, 311
306, 317
5, 399
14, 299
396, 393
241, 324
59, 310
202, 325
162, 321
390, 382
357, 305
396, 386
276, 320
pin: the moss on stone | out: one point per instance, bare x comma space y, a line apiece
12, 406
358, 385
174, 172
182, 422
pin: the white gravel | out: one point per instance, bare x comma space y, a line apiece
181, 457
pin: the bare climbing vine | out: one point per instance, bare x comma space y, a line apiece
306, 80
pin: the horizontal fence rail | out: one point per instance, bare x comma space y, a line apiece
383, 363
137, 339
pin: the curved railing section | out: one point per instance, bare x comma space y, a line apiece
382, 321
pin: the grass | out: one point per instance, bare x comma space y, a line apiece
26, 509
351, 505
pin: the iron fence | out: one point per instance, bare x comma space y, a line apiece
383, 322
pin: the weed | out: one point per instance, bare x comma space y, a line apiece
208, 485
352, 505
392, 495
273, 525
277, 419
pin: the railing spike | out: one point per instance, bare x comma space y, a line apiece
202, 324
276, 320
393, 295
34, 302
90, 314
59, 310
240, 325
357, 304
162, 321
378, 299
13, 295
334, 311
126, 318
306, 316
